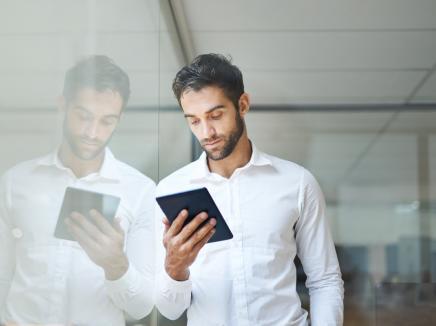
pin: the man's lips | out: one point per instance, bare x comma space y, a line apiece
212, 143
89, 144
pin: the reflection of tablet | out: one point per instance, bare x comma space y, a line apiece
195, 201
82, 201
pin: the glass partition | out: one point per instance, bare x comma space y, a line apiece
40, 41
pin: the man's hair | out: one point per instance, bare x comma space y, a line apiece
210, 70
98, 72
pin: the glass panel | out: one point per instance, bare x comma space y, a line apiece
174, 136
49, 280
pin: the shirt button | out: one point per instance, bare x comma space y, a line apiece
17, 233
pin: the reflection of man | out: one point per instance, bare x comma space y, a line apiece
274, 208
108, 271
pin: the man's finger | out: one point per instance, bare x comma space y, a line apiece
177, 224
201, 244
166, 221
166, 224
86, 241
102, 223
190, 228
117, 226
201, 233
82, 222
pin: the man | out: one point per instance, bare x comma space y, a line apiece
109, 269
274, 208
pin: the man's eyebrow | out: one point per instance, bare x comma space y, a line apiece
82, 108
219, 106
110, 116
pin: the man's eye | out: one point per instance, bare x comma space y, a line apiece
216, 116
109, 122
83, 116
195, 122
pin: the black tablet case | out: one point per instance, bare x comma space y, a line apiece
195, 201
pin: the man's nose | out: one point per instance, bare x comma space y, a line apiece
92, 130
208, 130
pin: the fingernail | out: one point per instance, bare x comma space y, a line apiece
203, 216
212, 221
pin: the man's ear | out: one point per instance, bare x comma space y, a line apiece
244, 104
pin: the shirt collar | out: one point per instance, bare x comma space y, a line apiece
201, 169
109, 170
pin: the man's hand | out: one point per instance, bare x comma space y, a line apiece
103, 242
182, 244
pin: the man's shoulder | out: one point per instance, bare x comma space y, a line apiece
24, 168
179, 177
284, 165
291, 172
129, 172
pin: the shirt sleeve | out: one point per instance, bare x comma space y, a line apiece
172, 297
316, 251
133, 292
7, 242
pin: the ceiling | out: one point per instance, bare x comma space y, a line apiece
321, 52
291, 52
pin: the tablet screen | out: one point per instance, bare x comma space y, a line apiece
82, 201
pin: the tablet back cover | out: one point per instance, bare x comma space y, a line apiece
195, 201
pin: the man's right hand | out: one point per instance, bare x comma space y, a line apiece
183, 244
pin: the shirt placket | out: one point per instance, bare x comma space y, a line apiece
237, 254
59, 307
59, 297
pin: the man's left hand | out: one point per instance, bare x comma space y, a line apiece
102, 241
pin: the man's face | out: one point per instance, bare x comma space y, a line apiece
90, 120
214, 121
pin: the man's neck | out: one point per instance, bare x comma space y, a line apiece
81, 168
238, 158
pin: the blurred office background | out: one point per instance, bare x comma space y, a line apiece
346, 88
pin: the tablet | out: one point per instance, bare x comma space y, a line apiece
82, 201
195, 201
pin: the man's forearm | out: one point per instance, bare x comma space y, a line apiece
172, 297
117, 269
133, 292
326, 303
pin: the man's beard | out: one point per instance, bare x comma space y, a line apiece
230, 142
74, 143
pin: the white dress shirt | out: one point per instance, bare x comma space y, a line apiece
275, 210
45, 280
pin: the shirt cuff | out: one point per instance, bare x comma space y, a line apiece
126, 282
167, 283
